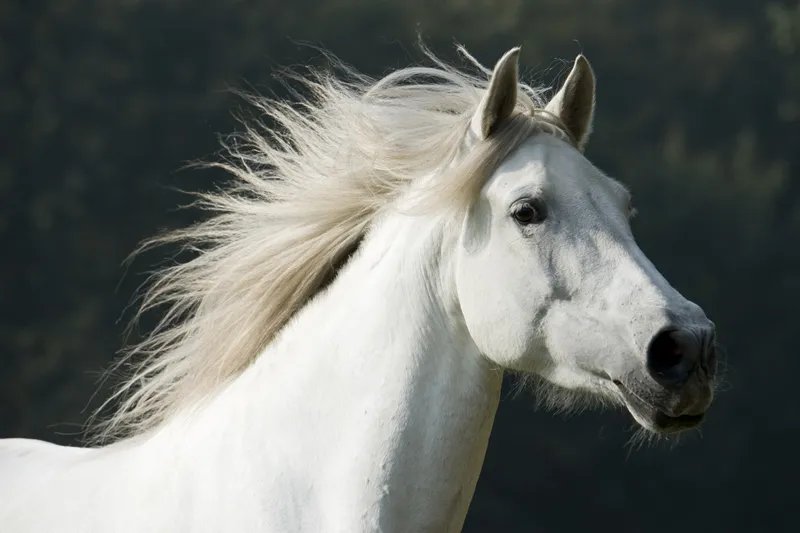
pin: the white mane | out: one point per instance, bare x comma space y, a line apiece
304, 193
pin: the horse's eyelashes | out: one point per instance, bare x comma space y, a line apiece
632, 211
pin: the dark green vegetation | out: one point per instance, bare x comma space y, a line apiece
101, 102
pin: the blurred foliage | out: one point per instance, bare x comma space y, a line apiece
102, 101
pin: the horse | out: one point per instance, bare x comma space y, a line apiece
330, 357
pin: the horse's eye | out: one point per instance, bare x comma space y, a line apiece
527, 213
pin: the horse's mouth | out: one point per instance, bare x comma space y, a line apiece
653, 418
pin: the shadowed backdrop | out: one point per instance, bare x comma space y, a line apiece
102, 102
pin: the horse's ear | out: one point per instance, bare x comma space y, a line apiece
501, 96
574, 102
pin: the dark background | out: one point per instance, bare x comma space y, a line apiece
103, 101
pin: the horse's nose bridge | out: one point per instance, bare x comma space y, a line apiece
637, 283
639, 292
675, 307
650, 303
634, 287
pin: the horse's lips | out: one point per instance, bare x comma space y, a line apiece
654, 418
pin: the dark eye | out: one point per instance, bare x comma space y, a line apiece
528, 212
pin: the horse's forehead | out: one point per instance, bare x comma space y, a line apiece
544, 165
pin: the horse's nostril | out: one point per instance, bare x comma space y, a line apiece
671, 357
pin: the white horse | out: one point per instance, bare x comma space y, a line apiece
331, 358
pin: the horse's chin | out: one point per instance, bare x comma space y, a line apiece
655, 420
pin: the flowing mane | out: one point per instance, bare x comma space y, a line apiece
307, 183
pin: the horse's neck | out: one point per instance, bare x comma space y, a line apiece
372, 411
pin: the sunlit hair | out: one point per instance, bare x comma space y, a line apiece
307, 183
